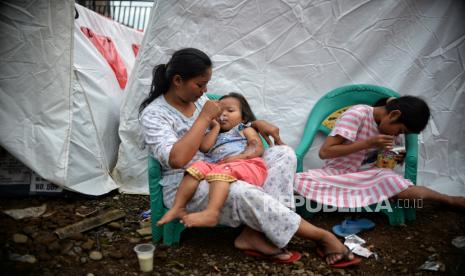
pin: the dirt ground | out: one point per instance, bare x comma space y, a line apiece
400, 250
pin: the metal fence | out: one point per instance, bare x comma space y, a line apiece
134, 14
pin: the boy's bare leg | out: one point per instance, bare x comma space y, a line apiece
209, 217
419, 192
184, 193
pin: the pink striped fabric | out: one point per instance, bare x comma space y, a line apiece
342, 182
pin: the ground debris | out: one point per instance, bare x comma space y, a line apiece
26, 212
89, 223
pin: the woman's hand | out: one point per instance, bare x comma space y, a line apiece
211, 110
266, 130
381, 141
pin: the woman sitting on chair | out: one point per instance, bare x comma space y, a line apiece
174, 119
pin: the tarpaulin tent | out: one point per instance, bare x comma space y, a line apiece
62, 80
284, 55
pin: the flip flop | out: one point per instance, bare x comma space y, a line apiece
364, 224
295, 256
352, 226
342, 263
342, 231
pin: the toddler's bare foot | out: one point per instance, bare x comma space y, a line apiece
173, 213
205, 218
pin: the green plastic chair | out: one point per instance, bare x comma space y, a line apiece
170, 232
343, 97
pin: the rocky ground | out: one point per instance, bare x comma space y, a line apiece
108, 249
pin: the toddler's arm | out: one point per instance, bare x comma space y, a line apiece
209, 139
334, 145
254, 146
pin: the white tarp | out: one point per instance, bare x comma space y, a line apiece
35, 80
96, 103
60, 99
284, 55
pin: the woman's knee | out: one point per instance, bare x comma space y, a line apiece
280, 154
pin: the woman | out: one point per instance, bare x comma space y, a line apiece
174, 118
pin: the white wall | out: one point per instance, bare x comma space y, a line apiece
284, 55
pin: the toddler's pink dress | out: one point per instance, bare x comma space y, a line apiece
230, 143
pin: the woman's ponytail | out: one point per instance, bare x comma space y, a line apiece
160, 84
187, 63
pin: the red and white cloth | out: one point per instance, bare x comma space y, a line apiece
343, 181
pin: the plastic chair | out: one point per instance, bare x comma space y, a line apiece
170, 232
343, 97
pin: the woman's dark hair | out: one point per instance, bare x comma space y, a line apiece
187, 63
415, 112
246, 111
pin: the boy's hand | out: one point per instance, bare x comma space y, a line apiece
400, 158
381, 141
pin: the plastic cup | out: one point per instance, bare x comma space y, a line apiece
144, 253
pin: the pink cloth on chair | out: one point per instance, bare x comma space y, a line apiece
252, 171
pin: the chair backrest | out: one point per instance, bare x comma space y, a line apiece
343, 97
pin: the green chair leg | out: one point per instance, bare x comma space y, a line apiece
396, 217
157, 232
172, 233
410, 214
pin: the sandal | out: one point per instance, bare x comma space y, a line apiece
343, 262
352, 226
295, 256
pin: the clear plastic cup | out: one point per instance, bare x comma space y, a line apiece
144, 253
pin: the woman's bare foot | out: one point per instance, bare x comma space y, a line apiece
205, 218
250, 239
458, 202
173, 213
333, 249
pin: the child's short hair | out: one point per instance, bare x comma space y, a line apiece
415, 112
246, 111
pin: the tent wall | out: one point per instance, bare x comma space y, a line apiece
35, 79
97, 96
284, 55
60, 97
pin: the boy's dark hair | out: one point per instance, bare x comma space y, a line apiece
187, 63
246, 111
415, 112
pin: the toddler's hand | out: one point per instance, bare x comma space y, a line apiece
214, 123
381, 141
